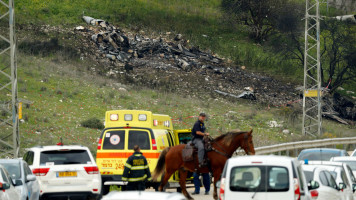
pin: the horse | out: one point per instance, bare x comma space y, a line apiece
170, 159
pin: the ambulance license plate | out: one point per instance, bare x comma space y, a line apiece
66, 174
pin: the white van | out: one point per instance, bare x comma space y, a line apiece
263, 178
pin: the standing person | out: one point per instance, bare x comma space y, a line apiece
136, 171
206, 183
198, 132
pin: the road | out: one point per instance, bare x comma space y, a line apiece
201, 196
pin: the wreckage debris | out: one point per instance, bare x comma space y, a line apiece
118, 47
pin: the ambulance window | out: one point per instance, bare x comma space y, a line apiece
139, 138
170, 140
114, 140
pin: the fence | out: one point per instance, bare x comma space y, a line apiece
295, 146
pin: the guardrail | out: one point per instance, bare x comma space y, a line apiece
303, 144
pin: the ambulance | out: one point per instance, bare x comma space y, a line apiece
126, 128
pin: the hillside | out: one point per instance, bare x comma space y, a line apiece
61, 73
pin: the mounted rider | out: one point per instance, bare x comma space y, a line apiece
198, 133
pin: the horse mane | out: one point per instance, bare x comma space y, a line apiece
229, 136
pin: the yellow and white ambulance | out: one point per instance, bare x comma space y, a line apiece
126, 128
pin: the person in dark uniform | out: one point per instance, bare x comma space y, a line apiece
198, 132
136, 171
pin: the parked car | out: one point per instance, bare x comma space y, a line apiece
25, 182
132, 195
328, 189
263, 177
353, 154
65, 171
343, 176
321, 154
351, 161
7, 188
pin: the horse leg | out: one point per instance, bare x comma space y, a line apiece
165, 179
217, 174
182, 182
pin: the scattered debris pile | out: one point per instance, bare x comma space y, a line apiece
113, 44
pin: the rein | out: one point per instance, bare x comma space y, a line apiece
216, 150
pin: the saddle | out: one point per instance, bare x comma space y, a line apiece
189, 150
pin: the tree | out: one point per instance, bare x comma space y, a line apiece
338, 52
260, 16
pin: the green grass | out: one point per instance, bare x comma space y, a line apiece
64, 95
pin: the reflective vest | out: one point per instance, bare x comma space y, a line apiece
136, 169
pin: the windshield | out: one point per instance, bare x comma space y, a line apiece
318, 155
13, 169
309, 176
352, 164
68, 157
259, 178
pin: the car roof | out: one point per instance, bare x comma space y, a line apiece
345, 158
58, 147
133, 195
321, 149
261, 160
326, 163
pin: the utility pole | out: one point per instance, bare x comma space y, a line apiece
9, 107
312, 119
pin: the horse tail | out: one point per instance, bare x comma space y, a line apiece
161, 163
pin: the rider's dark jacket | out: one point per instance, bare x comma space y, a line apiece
198, 126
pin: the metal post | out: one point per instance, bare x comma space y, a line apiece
312, 119
9, 122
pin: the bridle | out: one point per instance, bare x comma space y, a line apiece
224, 152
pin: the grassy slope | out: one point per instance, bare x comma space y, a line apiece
64, 95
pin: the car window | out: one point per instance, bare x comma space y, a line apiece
344, 178
259, 178
64, 157
278, 179
309, 176
353, 179
4, 177
352, 164
13, 169
114, 140
27, 169
331, 180
323, 178
140, 138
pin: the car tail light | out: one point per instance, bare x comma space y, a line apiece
222, 189
154, 145
296, 190
92, 170
40, 171
314, 194
99, 143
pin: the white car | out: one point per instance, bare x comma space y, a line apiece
25, 182
132, 195
328, 189
7, 188
67, 171
350, 160
343, 176
263, 177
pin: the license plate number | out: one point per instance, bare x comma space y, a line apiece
66, 174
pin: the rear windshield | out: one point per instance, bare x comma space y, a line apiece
140, 138
325, 156
13, 169
68, 157
259, 179
114, 140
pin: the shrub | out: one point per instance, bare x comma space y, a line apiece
93, 123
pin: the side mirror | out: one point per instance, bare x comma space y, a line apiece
342, 186
4, 186
30, 177
312, 185
218, 184
354, 187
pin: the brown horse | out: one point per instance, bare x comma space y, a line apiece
223, 147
